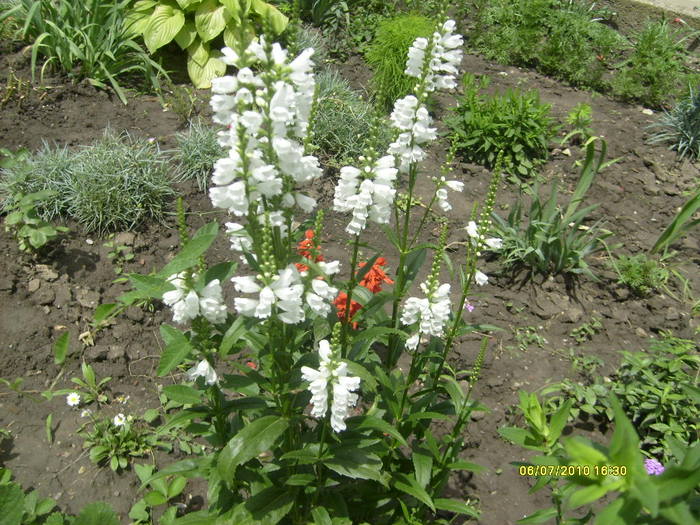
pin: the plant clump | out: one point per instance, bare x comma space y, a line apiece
111, 185
386, 55
680, 127
197, 150
641, 274
515, 125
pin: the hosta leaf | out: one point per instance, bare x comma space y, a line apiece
202, 72
278, 22
185, 37
210, 19
165, 22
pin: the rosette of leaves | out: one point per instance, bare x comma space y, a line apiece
201, 27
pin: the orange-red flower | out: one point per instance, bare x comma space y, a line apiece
341, 303
308, 250
376, 276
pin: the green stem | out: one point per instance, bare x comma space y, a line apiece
348, 303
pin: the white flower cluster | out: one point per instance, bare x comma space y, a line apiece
432, 312
205, 370
413, 120
264, 160
445, 56
285, 292
492, 243
441, 192
367, 193
343, 386
188, 304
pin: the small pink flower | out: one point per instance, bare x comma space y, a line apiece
654, 467
470, 307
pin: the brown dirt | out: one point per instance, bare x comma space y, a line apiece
637, 196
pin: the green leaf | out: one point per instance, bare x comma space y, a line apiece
97, 514
355, 463
410, 486
155, 498
360, 423
48, 425
60, 348
37, 238
466, 465
102, 312
203, 65
210, 19
624, 447
270, 505
183, 394
278, 22
165, 22
456, 506
423, 465
541, 516
321, 516
189, 255
176, 350
11, 504
184, 4
254, 439
186, 35
587, 495
201, 517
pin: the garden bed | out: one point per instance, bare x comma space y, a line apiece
40, 299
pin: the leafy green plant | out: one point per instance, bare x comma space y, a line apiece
681, 127
586, 331
580, 472
342, 126
31, 231
87, 40
117, 440
200, 27
515, 125
658, 390
555, 240
161, 491
197, 150
681, 223
119, 254
561, 38
580, 120
113, 184
90, 388
386, 55
330, 14
642, 274
528, 335
656, 70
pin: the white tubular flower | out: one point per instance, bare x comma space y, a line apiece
183, 301
445, 56
414, 122
239, 238
334, 374
329, 267
480, 278
441, 192
211, 303
285, 293
319, 299
431, 313
472, 230
232, 198
205, 370
73, 399
494, 243
374, 196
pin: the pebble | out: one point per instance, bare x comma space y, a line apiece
89, 241
647, 111
33, 285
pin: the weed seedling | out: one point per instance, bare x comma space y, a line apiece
586, 331
92, 390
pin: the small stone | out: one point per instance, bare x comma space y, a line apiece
135, 313
97, 353
573, 314
115, 353
89, 241
63, 295
7, 283
124, 239
87, 298
639, 331
33, 285
647, 111
494, 382
45, 295
46, 273
672, 314
46, 310
566, 152
503, 73
478, 416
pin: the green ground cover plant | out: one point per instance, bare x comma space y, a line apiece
551, 239
514, 125
560, 38
111, 185
641, 273
658, 389
201, 28
197, 150
681, 223
31, 231
579, 119
343, 120
85, 40
386, 55
656, 70
680, 127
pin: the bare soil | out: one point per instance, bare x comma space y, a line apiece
40, 299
